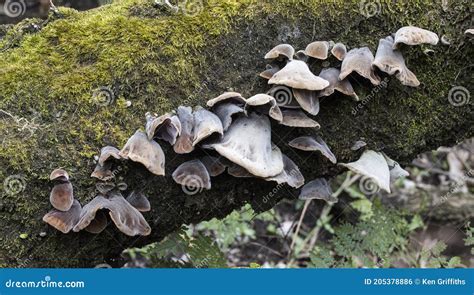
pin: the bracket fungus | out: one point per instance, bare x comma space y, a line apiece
296, 74
139, 200
282, 51
98, 224
64, 221
359, 60
339, 51
411, 35
166, 127
290, 175
297, 118
214, 165
247, 143
266, 104
270, 70
146, 152
391, 61
104, 167
126, 217
192, 174
343, 86
184, 142
206, 124
318, 188
318, 50
62, 194
308, 143
308, 100
396, 171
372, 165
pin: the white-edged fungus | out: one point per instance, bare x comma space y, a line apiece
374, 166
226, 111
98, 224
290, 175
247, 143
234, 97
318, 50
59, 174
64, 221
138, 200
359, 60
192, 174
214, 165
308, 143
108, 152
297, 118
62, 196
296, 74
184, 142
391, 61
339, 51
270, 70
166, 127
396, 171
265, 104
308, 100
343, 86
127, 219
411, 35
206, 124
146, 152
318, 188
285, 51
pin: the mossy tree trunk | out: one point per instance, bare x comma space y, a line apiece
158, 60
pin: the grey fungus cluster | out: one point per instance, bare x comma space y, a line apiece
235, 134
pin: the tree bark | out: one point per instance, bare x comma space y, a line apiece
52, 78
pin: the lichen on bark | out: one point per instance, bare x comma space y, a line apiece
158, 60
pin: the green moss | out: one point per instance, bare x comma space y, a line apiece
50, 82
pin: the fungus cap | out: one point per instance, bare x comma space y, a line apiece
269, 71
297, 118
64, 221
192, 174
374, 166
411, 35
206, 123
62, 196
214, 165
317, 49
339, 51
247, 143
282, 50
396, 171
139, 201
226, 111
233, 97
318, 188
265, 103
359, 60
296, 74
107, 152
308, 100
308, 143
146, 152
127, 219
98, 224
391, 61
166, 127
59, 174
184, 142
290, 175
343, 86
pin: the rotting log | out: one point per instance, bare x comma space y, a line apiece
66, 85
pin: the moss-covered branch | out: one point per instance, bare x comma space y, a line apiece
53, 115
